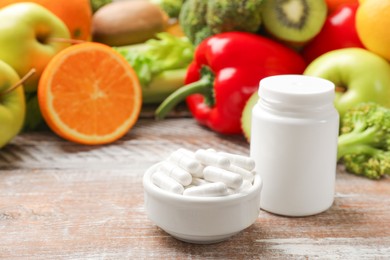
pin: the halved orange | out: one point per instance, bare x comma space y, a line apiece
89, 94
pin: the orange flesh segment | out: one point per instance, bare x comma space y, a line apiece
93, 95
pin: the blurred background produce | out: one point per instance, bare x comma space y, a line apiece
127, 22
161, 64
364, 141
12, 104
201, 19
345, 41
294, 22
76, 14
360, 76
338, 32
83, 103
28, 33
170, 7
219, 86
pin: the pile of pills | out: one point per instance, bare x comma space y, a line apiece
205, 173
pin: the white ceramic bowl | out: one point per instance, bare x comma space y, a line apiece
201, 220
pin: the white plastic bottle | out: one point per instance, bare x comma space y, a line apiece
294, 144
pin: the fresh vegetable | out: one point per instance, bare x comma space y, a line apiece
171, 7
160, 64
97, 4
128, 22
359, 76
335, 4
201, 18
364, 141
338, 32
226, 70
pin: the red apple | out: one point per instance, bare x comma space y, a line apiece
338, 32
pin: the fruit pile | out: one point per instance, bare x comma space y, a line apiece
83, 63
84, 91
331, 38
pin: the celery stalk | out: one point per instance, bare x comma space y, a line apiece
162, 85
160, 64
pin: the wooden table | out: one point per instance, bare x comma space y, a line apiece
60, 200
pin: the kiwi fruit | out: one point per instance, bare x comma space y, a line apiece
127, 22
295, 21
246, 116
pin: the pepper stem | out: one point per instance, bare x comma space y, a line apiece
203, 86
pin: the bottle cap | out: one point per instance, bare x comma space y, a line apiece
297, 90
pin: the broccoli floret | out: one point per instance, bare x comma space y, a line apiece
200, 19
97, 4
364, 141
372, 163
192, 20
171, 7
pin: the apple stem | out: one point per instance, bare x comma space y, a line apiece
65, 40
19, 83
340, 89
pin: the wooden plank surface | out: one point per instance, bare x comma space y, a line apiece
60, 200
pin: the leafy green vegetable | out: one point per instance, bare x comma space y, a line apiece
167, 52
364, 141
160, 64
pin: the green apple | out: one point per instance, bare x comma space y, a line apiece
12, 104
27, 33
359, 75
246, 117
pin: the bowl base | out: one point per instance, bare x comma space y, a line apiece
201, 239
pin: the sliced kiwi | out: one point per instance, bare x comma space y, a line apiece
295, 21
246, 117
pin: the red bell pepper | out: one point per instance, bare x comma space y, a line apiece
225, 71
338, 32
335, 4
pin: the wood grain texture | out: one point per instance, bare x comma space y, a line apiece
60, 200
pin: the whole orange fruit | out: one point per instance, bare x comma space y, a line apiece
372, 26
76, 14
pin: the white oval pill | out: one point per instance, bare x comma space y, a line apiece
246, 175
213, 189
245, 186
167, 183
198, 181
240, 160
208, 157
186, 152
215, 174
187, 163
177, 173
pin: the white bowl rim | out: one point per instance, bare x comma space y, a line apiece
163, 194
